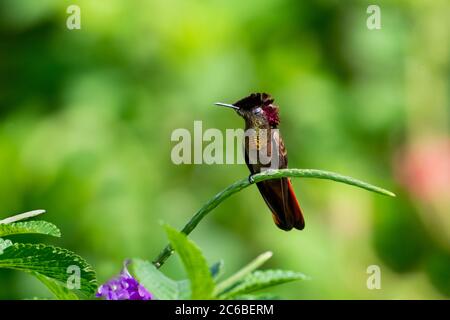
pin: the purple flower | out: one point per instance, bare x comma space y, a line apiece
123, 287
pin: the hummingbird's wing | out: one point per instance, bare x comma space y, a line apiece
279, 194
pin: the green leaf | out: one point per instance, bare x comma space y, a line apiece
320, 174
4, 244
59, 291
42, 227
238, 276
263, 176
161, 286
49, 261
202, 283
154, 280
260, 280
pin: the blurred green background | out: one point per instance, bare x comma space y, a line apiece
86, 118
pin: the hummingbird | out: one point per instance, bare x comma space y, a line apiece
261, 118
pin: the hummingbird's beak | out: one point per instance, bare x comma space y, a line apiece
226, 105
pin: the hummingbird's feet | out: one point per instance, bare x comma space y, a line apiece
250, 179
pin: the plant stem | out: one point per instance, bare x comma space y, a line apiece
265, 175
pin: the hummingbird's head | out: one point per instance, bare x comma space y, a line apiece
257, 110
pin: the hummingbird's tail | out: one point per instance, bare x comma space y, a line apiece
280, 198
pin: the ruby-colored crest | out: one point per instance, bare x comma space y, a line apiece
263, 100
271, 114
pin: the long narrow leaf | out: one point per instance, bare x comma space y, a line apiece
262, 279
202, 283
266, 175
234, 279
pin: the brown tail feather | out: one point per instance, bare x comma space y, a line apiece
280, 198
294, 209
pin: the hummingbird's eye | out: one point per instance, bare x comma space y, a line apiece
257, 110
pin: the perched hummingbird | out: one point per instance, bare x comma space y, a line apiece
261, 116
